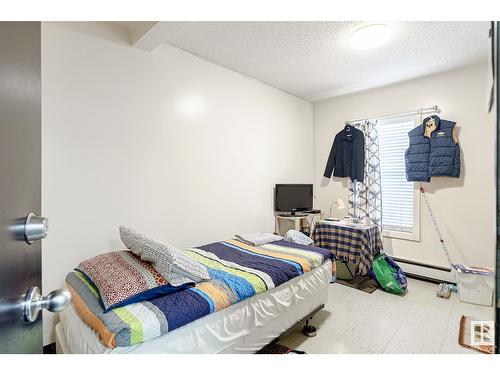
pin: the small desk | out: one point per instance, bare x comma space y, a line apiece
352, 243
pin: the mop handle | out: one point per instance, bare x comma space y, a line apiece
443, 245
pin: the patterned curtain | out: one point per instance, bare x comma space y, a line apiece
369, 192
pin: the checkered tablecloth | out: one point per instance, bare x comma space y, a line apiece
352, 243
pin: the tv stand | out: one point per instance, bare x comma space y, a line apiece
303, 223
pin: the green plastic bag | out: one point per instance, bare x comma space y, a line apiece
389, 275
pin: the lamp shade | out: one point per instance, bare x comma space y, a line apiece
340, 204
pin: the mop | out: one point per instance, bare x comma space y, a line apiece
444, 290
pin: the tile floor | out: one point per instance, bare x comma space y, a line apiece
357, 322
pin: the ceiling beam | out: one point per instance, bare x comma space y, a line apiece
149, 36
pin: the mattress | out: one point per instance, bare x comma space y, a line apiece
237, 271
241, 328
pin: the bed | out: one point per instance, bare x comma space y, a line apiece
244, 326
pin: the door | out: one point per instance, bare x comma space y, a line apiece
20, 192
20, 171
496, 72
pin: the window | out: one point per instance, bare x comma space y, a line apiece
400, 198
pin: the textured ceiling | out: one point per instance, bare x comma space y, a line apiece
313, 60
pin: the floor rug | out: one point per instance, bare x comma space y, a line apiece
363, 283
278, 349
476, 335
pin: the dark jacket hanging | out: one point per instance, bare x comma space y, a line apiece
347, 156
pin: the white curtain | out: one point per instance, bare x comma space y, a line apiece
369, 191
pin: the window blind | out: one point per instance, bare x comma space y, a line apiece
397, 193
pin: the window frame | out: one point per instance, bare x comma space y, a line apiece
414, 235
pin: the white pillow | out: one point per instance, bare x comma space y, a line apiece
298, 237
171, 263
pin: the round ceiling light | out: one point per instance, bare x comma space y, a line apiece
369, 37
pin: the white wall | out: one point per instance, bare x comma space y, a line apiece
179, 148
465, 208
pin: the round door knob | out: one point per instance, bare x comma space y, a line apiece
35, 228
55, 301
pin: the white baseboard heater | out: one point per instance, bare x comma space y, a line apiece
424, 271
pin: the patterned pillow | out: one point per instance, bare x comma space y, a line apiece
171, 263
298, 237
123, 278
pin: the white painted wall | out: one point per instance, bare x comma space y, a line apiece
465, 208
179, 148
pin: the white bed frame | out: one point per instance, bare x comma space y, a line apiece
245, 327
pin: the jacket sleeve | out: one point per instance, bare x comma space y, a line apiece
360, 158
330, 164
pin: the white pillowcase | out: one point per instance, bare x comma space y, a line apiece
298, 237
170, 262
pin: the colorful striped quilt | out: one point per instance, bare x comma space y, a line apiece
237, 271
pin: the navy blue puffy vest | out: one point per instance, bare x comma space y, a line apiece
437, 156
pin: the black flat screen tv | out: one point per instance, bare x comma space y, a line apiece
288, 197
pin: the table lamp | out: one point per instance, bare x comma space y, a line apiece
339, 203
